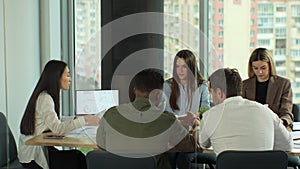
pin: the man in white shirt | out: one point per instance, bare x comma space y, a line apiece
235, 123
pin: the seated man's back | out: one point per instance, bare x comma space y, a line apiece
130, 128
235, 123
142, 127
243, 125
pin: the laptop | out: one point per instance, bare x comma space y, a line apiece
95, 102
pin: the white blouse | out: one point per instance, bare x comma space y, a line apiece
45, 119
200, 99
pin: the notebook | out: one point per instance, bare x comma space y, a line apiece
95, 101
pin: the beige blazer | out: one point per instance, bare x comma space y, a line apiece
279, 96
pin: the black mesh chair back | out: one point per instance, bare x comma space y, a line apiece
296, 112
8, 148
98, 159
252, 160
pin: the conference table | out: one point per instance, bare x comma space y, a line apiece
85, 138
83, 142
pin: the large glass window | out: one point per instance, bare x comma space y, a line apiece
257, 23
87, 44
275, 26
181, 29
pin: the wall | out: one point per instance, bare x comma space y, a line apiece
2, 67
237, 36
22, 57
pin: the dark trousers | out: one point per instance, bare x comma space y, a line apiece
66, 159
181, 160
31, 165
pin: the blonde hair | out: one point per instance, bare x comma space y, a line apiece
261, 54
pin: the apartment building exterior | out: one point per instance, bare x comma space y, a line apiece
274, 24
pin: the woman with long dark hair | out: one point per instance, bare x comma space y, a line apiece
186, 93
42, 113
186, 90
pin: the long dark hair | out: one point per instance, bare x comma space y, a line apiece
49, 82
194, 77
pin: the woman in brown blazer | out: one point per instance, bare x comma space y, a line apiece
266, 87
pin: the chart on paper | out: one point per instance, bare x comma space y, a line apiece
95, 101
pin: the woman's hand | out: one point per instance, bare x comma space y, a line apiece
189, 119
91, 120
196, 123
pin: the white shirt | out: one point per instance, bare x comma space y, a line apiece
241, 124
45, 119
200, 99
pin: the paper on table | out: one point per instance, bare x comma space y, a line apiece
295, 135
297, 144
296, 125
85, 131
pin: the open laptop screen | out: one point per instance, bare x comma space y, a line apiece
95, 101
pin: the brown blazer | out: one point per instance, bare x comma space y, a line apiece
279, 96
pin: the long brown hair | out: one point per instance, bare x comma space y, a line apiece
194, 77
261, 54
49, 82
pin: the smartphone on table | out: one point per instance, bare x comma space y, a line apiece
53, 137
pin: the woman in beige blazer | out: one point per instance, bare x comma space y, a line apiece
266, 87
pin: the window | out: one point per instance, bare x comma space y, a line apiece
297, 84
281, 72
280, 52
221, 57
220, 45
272, 24
281, 32
296, 10
297, 95
87, 44
221, 10
221, 34
279, 63
252, 34
297, 64
252, 22
182, 24
264, 43
221, 23
265, 9
295, 53
280, 43
281, 20
295, 41
265, 31
265, 22
280, 8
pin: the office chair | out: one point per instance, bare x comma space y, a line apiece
294, 161
296, 113
252, 159
98, 159
8, 148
